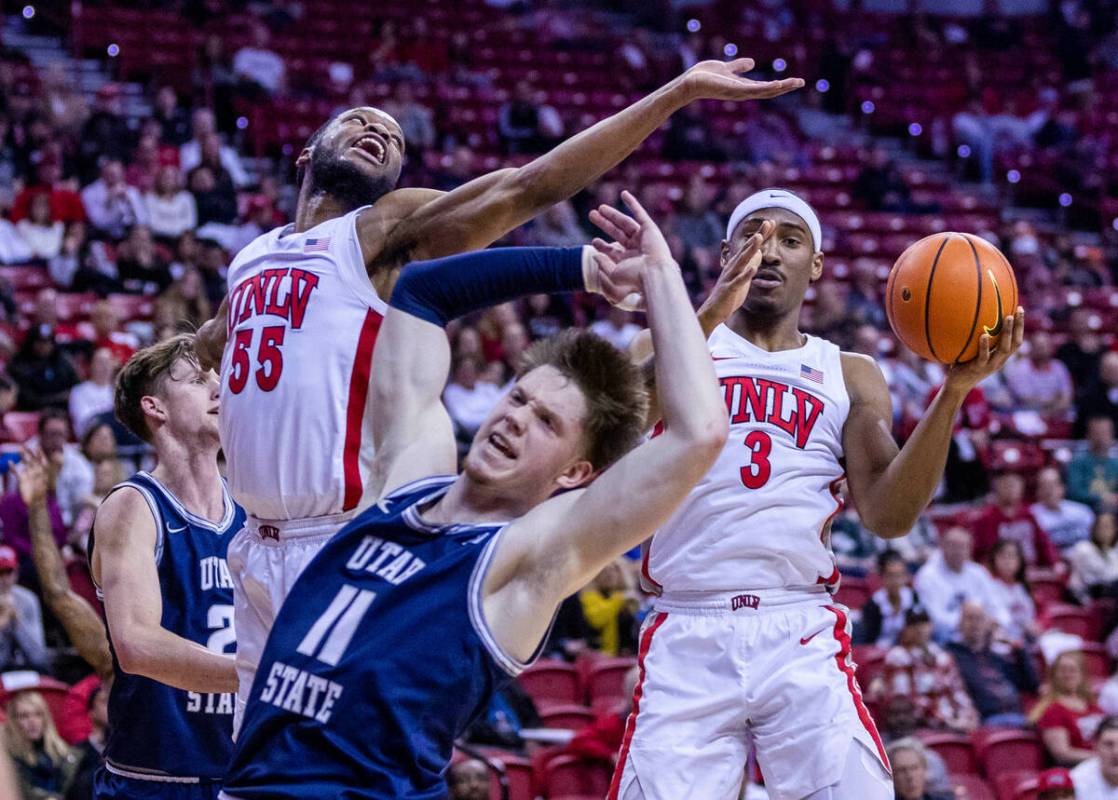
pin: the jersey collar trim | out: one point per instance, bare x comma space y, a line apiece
217, 527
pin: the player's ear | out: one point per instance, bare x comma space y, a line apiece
577, 473
304, 159
724, 253
816, 267
152, 406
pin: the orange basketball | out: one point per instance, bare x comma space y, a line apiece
945, 291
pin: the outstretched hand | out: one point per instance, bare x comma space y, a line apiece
732, 286
719, 80
638, 245
33, 476
990, 359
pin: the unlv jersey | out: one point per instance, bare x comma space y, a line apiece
302, 319
760, 519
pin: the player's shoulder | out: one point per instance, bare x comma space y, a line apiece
861, 373
125, 510
398, 205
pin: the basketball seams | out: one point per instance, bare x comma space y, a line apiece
978, 300
928, 296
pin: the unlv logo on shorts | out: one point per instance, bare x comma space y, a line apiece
741, 601
269, 532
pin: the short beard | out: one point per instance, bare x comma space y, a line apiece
333, 175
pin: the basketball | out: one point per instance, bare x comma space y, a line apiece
945, 291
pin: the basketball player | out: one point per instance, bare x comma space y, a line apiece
744, 640
157, 554
404, 624
305, 304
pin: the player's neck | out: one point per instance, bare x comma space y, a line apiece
191, 474
314, 208
469, 501
768, 333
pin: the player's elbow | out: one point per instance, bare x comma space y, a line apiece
133, 654
705, 438
886, 526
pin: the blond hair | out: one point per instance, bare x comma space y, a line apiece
144, 375
1050, 694
22, 748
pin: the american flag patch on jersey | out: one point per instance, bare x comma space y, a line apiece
811, 373
316, 245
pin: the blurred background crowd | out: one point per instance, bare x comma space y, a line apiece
143, 144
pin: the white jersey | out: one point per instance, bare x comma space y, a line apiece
761, 518
303, 318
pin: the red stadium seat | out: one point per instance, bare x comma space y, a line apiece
22, 425
573, 776
604, 680
1097, 660
552, 683
518, 773
570, 717
1073, 619
853, 592
1016, 784
956, 751
1000, 750
971, 787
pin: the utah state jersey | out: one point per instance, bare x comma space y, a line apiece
378, 659
158, 732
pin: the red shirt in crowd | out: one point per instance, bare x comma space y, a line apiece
1021, 526
601, 739
65, 205
1080, 725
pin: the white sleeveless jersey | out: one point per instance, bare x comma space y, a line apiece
761, 518
303, 318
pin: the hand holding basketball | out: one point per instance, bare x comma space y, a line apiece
719, 80
991, 355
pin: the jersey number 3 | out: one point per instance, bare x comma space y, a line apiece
269, 359
756, 473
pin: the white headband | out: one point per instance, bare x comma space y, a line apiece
778, 198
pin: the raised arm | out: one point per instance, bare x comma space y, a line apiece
482, 211
411, 428
558, 547
125, 568
81, 621
209, 342
891, 487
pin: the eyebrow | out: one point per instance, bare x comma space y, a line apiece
755, 222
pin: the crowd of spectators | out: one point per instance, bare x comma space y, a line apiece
117, 228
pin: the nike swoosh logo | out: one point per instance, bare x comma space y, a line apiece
809, 638
171, 529
994, 331
721, 358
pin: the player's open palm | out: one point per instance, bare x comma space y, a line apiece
719, 80
638, 245
33, 476
732, 286
990, 357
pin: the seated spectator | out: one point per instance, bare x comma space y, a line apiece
1094, 563
141, 268
609, 603
468, 397
697, 224
1083, 350
188, 296
1065, 521
863, 301
203, 125
571, 635
112, 205
1101, 399
510, 710
13, 248
995, 681
883, 614
617, 328
1066, 713
108, 333
1038, 381
1012, 606
174, 124
601, 740
22, 640
106, 133
42, 371
921, 670
909, 759
73, 472
45, 765
258, 67
108, 471
94, 396
214, 201
65, 204
880, 185
145, 162
949, 579
1093, 474
170, 208
468, 780
42, 234
527, 125
1096, 778
97, 707
1007, 517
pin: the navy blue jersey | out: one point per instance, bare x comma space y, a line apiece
378, 659
156, 730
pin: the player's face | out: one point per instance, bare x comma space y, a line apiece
532, 441
188, 399
359, 156
788, 266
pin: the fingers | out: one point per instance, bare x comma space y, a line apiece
740, 65
611, 250
984, 348
1005, 341
777, 88
1019, 331
638, 210
614, 224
